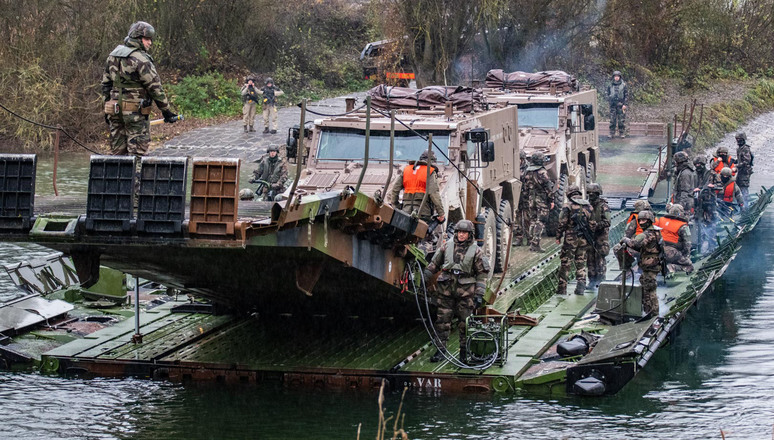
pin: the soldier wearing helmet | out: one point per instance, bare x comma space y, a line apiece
270, 93
723, 160
538, 190
249, 102
575, 227
130, 85
728, 191
462, 283
684, 182
271, 175
522, 213
618, 97
649, 246
744, 164
632, 225
596, 261
677, 239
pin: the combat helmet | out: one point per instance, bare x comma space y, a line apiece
573, 190
726, 172
273, 148
677, 210
424, 155
741, 135
641, 205
537, 158
647, 215
522, 154
465, 226
246, 194
616, 72
141, 29
700, 160
680, 157
269, 81
594, 188
721, 150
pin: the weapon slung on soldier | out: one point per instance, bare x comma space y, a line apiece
161, 121
582, 227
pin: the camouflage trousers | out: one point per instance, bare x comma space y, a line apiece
596, 261
617, 118
677, 261
521, 226
573, 250
454, 300
649, 296
537, 215
270, 111
248, 113
129, 134
745, 195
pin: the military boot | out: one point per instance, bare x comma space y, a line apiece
580, 286
245, 128
252, 129
463, 355
535, 248
265, 130
273, 131
436, 357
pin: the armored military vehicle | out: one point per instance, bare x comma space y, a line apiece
555, 117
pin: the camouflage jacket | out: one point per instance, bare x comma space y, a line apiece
523, 199
274, 171
684, 184
413, 201
618, 92
706, 203
649, 246
270, 95
744, 165
572, 211
537, 187
456, 267
600, 218
131, 67
249, 93
706, 177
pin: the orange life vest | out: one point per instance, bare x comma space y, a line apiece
635, 216
728, 192
718, 165
415, 179
669, 228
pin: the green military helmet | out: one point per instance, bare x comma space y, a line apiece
641, 205
700, 160
537, 158
647, 215
573, 190
424, 155
273, 148
677, 210
269, 81
594, 188
522, 154
464, 226
721, 150
726, 172
680, 157
246, 194
741, 136
141, 29
617, 73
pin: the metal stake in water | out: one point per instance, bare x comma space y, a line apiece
137, 338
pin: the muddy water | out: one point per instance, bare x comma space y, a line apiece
717, 375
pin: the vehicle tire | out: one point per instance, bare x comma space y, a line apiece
504, 218
591, 173
553, 215
488, 242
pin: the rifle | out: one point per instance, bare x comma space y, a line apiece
662, 257
433, 224
583, 228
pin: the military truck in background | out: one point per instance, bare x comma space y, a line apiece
478, 144
385, 62
555, 117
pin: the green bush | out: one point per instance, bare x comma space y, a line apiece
206, 96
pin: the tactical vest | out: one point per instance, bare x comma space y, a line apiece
728, 192
268, 95
650, 254
670, 228
465, 267
415, 179
271, 170
635, 216
616, 91
718, 165
534, 189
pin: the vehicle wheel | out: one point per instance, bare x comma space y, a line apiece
553, 215
488, 241
591, 173
503, 232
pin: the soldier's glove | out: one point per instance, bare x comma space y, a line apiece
169, 117
252, 180
627, 241
478, 300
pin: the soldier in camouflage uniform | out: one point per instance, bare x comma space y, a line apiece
270, 93
648, 244
684, 182
537, 189
744, 165
600, 223
632, 225
129, 86
462, 283
522, 213
249, 102
574, 226
273, 170
618, 96
677, 239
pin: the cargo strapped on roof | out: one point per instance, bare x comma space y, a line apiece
557, 80
464, 99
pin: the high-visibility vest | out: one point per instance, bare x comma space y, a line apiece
669, 228
635, 216
415, 179
718, 165
728, 192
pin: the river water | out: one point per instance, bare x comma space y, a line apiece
716, 376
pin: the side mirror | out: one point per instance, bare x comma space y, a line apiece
292, 141
488, 151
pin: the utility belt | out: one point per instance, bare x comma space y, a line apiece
112, 107
462, 277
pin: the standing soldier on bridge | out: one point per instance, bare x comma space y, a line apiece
617, 95
130, 85
649, 246
250, 101
744, 165
723, 160
728, 191
600, 223
684, 182
272, 175
677, 239
538, 190
522, 213
462, 283
574, 226
270, 94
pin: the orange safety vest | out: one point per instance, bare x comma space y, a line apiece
728, 193
635, 216
669, 228
415, 179
718, 165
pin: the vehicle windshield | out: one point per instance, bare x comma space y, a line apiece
539, 115
349, 144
